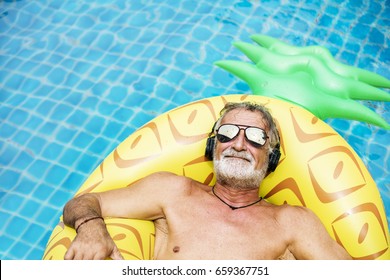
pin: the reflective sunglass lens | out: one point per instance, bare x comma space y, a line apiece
227, 132
223, 139
255, 135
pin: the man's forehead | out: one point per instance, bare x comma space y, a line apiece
244, 117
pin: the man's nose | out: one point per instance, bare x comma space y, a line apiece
239, 143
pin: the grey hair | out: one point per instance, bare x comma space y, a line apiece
253, 107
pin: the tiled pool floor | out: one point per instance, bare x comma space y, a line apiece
77, 77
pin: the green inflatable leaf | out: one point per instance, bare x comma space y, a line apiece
309, 77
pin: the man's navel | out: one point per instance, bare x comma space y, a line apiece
176, 249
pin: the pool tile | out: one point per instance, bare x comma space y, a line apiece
18, 117
95, 124
73, 181
65, 134
34, 254
19, 250
43, 69
61, 112
9, 178
86, 163
325, 20
85, 85
17, 100
5, 217
60, 197
56, 174
112, 129
163, 91
47, 215
106, 108
45, 107
99, 145
5, 243
82, 140
29, 85
8, 155
52, 151
77, 118
17, 227
174, 76
30, 103
39, 168
29, 208
36, 144
193, 85
24, 159
385, 55
7, 130
122, 114
142, 118
336, 39
73, 98
12, 202
182, 97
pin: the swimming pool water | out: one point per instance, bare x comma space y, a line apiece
77, 77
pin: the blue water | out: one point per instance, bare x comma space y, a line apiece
77, 77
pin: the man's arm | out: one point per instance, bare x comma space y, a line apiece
310, 240
77, 210
92, 240
145, 199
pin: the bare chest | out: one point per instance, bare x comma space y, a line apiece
215, 232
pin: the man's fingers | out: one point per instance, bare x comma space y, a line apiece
116, 255
69, 255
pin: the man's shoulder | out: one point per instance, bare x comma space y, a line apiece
299, 217
296, 210
287, 213
165, 176
174, 182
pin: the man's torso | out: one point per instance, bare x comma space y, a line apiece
202, 227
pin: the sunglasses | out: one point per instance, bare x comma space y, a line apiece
256, 136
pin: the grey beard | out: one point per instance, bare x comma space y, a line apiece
238, 174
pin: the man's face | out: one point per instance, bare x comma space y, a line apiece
238, 159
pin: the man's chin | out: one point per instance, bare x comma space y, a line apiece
239, 170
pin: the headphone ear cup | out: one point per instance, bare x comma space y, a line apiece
274, 157
209, 152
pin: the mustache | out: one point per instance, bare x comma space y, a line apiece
232, 153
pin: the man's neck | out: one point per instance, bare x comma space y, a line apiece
236, 198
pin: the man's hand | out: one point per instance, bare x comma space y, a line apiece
93, 242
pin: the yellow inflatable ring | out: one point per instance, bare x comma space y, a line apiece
318, 169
